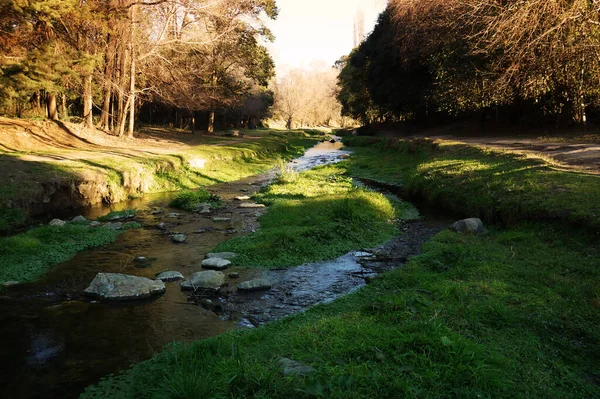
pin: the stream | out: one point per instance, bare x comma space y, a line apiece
56, 341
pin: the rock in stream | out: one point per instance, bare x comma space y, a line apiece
122, 287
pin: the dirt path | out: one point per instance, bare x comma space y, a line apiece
46, 141
565, 154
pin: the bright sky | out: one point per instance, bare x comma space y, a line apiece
318, 32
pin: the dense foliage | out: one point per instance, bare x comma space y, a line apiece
517, 60
62, 58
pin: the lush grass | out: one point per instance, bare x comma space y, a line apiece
510, 314
124, 175
189, 200
27, 256
492, 185
513, 313
316, 215
116, 215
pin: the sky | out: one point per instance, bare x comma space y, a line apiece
316, 33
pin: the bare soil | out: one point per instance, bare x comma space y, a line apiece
575, 150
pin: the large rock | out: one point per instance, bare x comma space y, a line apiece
259, 284
122, 287
470, 225
169, 276
79, 219
221, 219
208, 279
95, 223
222, 255
57, 223
215, 263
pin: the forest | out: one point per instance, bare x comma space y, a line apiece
116, 63
519, 62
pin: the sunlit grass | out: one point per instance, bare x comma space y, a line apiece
496, 186
316, 215
505, 317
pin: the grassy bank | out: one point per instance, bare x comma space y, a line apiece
25, 257
38, 181
316, 215
513, 313
493, 185
510, 314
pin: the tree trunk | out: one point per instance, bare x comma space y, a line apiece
51, 106
124, 118
210, 129
193, 123
63, 106
107, 89
88, 120
132, 75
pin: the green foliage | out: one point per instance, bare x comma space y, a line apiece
116, 215
480, 183
189, 200
514, 313
315, 215
27, 256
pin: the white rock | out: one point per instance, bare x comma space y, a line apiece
222, 255
215, 263
57, 223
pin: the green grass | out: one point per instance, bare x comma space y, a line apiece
121, 176
513, 314
189, 200
116, 215
316, 215
493, 185
27, 256
510, 314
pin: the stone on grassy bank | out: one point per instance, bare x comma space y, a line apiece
215, 263
222, 255
209, 279
470, 225
79, 219
122, 287
57, 223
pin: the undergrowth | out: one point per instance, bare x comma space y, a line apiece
190, 200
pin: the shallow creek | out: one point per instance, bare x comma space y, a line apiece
55, 342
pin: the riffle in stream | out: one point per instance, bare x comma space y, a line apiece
56, 342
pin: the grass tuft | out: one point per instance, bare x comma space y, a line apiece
189, 200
